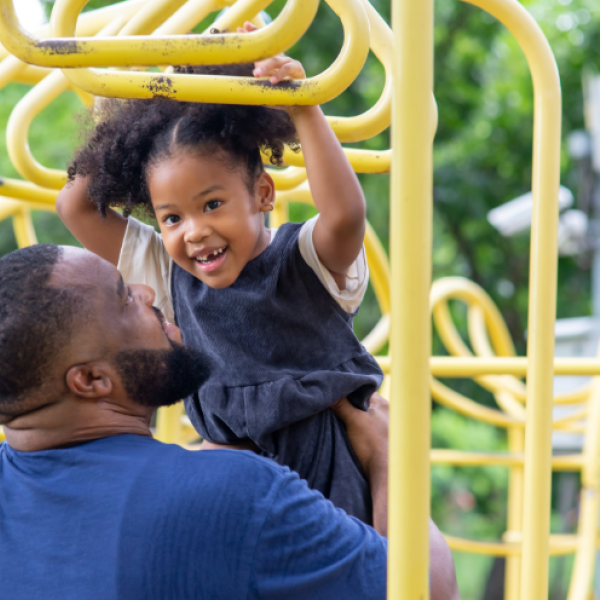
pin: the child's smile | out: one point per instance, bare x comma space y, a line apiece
211, 259
211, 224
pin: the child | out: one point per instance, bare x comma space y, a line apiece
273, 309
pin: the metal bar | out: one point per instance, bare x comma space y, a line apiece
542, 290
410, 338
67, 51
248, 90
559, 545
459, 367
23, 228
561, 462
22, 115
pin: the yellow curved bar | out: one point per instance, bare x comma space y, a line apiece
18, 126
469, 408
23, 190
66, 51
188, 16
247, 90
148, 18
39, 97
379, 116
542, 298
10, 206
89, 24
362, 161
484, 319
23, 228
238, 13
24, 112
287, 179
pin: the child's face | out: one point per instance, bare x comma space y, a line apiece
211, 224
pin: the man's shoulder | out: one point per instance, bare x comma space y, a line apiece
229, 474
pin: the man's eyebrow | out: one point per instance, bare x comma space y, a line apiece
120, 286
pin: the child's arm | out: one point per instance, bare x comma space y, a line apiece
339, 233
105, 236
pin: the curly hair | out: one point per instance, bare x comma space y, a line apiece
131, 136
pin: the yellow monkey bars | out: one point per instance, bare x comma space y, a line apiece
138, 33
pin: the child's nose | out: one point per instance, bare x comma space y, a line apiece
197, 230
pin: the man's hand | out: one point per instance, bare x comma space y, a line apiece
368, 434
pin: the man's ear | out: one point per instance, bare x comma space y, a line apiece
90, 380
265, 189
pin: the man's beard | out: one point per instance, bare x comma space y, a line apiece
161, 377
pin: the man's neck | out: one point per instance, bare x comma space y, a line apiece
69, 422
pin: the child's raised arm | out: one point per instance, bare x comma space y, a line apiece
103, 236
339, 233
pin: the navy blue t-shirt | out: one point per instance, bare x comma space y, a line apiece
130, 518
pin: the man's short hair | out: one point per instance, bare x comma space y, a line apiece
36, 320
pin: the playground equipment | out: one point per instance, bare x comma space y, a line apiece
73, 52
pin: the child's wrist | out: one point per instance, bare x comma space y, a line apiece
299, 113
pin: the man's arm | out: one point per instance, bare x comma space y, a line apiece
368, 434
309, 549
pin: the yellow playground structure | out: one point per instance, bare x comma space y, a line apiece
107, 52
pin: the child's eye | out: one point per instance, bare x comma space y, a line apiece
171, 219
212, 205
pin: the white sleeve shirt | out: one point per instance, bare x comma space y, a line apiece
143, 259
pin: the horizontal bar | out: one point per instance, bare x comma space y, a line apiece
560, 462
560, 545
451, 366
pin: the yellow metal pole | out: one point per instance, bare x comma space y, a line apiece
542, 290
23, 228
61, 52
514, 517
168, 424
21, 117
410, 336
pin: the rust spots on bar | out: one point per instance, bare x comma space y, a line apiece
161, 87
61, 47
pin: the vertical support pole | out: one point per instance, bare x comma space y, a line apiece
168, 424
541, 319
23, 228
514, 521
410, 336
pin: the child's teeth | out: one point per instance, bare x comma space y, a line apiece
212, 256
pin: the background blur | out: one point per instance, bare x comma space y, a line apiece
482, 159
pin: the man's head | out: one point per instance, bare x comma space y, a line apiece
70, 328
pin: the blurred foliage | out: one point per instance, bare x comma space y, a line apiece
482, 159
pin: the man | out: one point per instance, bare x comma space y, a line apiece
92, 507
